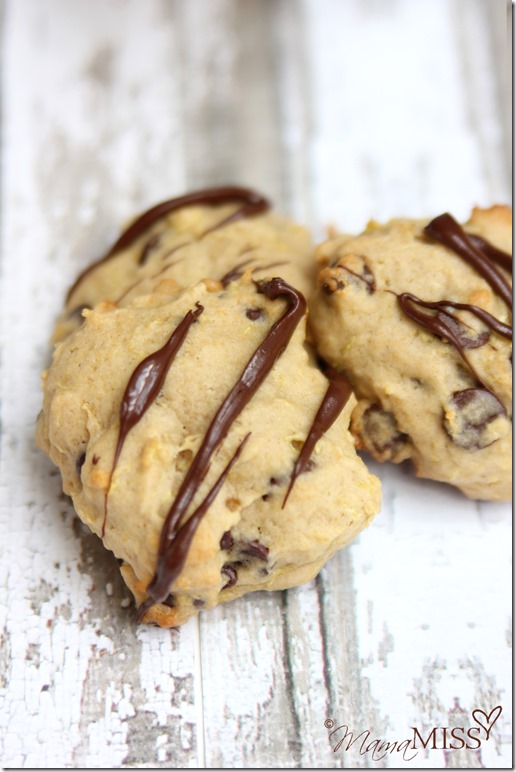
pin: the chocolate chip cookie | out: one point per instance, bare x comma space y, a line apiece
198, 438
417, 314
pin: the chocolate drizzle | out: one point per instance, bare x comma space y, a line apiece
144, 386
145, 278
175, 539
172, 561
447, 231
151, 244
492, 252
444, 314
481, 255
366, 277
252, 204
336, 397
238, 270
235, 273
442, 324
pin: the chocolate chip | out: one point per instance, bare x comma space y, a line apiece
468, 415
226, 541
95, 460
232, 575
332, 285
198, 602
263, 571
254, 313
275, 481
80, 463
169, 601
382, 431
255, 549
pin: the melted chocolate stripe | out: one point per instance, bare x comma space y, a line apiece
466, 340
505, 330
369, 282
151, 244
439, 325
337, 394
177, 552
144, 386
253, 203
246, 211
447, 231
493, 253
146, 278
248, 383
236, 272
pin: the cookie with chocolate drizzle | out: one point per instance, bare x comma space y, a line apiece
418, 315
218, 233
198, 438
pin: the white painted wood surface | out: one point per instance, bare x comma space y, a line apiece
340, 110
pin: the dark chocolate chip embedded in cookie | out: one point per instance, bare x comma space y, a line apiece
417, 314
474, 418
380, 431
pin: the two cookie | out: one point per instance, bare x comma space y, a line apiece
193, 428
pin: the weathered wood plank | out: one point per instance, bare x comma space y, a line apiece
404, 609
232, 125
83, 687
429, 636
340, 111
392, 109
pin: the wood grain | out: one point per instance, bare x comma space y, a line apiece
339, 110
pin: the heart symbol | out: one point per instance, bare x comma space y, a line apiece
489, 719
